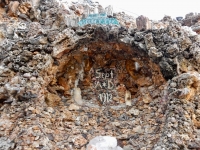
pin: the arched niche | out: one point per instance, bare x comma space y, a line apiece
106, 73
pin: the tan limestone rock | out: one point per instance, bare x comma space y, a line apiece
144, 81
149, 41
77, 96
52, 99
147, 98
24, 8
74, 107
68, 116
12, 8
128, 98
79, 141
195, 121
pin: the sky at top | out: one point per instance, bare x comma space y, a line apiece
154, 9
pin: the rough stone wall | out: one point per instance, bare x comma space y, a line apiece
47, 82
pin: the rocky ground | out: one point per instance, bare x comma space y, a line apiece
51, 88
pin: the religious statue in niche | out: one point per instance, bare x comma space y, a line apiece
104, 84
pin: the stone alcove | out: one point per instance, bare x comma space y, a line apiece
107, 73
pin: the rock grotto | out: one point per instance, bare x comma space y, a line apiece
62, 85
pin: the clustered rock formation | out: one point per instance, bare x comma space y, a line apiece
192, 20
53, 75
